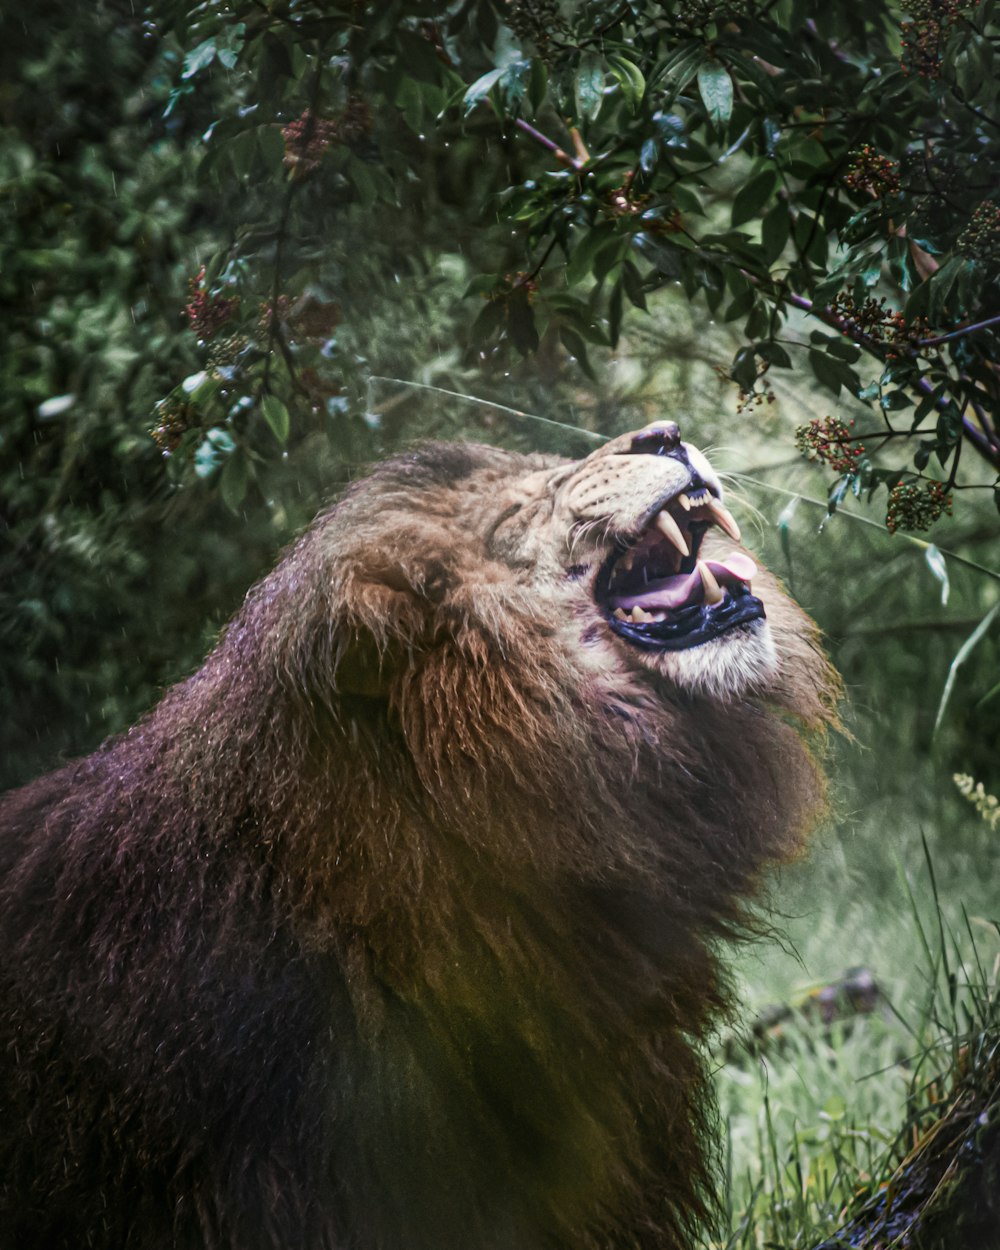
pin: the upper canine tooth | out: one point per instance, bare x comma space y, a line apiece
713, 591
684, 502
666, 524
724, 518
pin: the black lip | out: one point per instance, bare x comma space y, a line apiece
691, 627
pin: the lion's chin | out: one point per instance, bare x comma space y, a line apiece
724, 668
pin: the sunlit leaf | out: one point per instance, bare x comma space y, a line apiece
481, 88
716, 88
630, 79
936, 564
589, 86
276, 416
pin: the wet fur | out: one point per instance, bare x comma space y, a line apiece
395, 926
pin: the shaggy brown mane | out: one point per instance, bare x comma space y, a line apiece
394, 927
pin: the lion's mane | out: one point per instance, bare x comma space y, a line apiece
394, 927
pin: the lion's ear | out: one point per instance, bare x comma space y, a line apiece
384, 618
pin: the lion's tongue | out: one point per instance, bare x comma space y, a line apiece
668, 594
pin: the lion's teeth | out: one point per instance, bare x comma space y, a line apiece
724, 518
713, 591
621, 614
667, 526
684, 502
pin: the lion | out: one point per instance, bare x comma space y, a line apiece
397, 925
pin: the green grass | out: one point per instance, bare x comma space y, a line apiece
821, 1115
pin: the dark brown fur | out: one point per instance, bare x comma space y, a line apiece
394, 927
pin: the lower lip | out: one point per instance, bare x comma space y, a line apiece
716, 620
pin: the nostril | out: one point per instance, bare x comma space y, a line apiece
656, 440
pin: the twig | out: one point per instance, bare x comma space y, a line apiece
983, 444
564, 158
959, 333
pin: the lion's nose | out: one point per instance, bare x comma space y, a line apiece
658, 439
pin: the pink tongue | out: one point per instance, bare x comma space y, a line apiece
667, 594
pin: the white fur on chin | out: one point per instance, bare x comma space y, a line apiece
724, 668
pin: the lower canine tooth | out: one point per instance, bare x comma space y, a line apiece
713, 591
667, 526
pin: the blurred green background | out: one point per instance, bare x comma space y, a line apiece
118, 564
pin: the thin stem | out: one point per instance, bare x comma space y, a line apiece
960, 332
564, 158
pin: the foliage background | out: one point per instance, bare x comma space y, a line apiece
247, 249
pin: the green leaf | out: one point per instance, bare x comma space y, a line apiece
630, 80
575, 345
581, 260
538, 83
716, 88
521, 323
940, 286
276, 416
936, 564
362, 181
774, 354
588, 88
833, 374
632, 282
751, 198
481, 88
234, 481
271, 144
962, 655
678, 68
744, 368
199, 58
774, 231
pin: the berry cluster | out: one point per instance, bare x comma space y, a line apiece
512, 283
224, 353
697, 14
622, 202
355, 122
302, 318
172, 423
746, 401
205, 312
536, 21
306, 141
870, 318
877, 323
981, 237
916, 506
308, 138
831, 442
925, 36
872, 173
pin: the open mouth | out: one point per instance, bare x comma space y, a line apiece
656, 591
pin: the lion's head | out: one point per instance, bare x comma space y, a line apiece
625, 563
